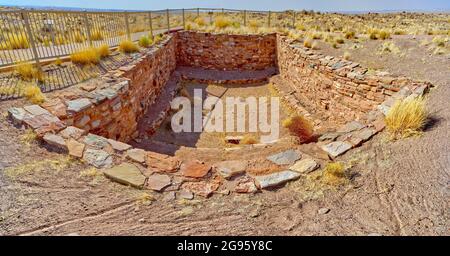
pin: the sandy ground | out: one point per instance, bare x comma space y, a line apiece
396, 188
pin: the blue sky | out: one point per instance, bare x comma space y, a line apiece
318, 5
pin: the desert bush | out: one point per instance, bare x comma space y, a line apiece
87, 56
14, 41
96, 35
300, 127
440, 41
145, 42
128, 46
300, 27
200, 21
406, 118
28, 72
339, 40
388, 47
60, 40
349, 34
33, 93
334, 173
308, 42
248, 139
222, 22
384, 34
253, 24
103, 51
79, 37
347, 55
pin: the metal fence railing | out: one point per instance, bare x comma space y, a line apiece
42, 36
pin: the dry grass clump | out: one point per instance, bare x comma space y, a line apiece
315, 45
308, 42
96, 35
54, 165
300, 27
14, 41
347, 55
103, 51
349, 34
128, 46
145, 41
33, 93
200, 21
253, 24
406, 118
248, 139
29, 72
79, 37
88, 56
334, 174
300, 127
389, 47
222, 22
28, 137
376, 34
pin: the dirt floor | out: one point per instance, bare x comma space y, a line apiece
396, 188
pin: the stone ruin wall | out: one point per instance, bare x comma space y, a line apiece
115, 111
334, 89
226, 52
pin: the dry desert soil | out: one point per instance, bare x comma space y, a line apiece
396, 187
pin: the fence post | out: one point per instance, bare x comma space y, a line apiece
245, 18
88, 28
150, 23
268, 21
293, 19
223, 11
198, 12
168, 20
30, 36
184, 22
127, 24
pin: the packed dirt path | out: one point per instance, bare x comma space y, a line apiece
396, 188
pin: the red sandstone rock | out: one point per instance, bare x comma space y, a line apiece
75, 148
56, 107
195, 169
202, 188
162, 163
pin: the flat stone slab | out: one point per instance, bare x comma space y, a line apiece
78, 105
17, 115
98, 158
55, 141
195, 169
72, 132
365, 134
337, 148
306, 165
329, 136
36, 110
127, 174
137, 155
162, 163
95, 141
158, 182
285, 158
275, 179
351, 126
231, 168
119, 146
75, 148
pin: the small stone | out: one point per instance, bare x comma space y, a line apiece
55, 141
231, 168
195, 169
119, 146
72, 132
351, 126
17, 115
161, 162
127, 174
75, 148
337, 148
286, 157
275, 179
89, 87
186, 195
170, 196
245, 184
201, 188
329, 136
56, 107
379, 124
304, 166
158, 182
137, 155
78, 105
323, 211
36, 110
95, 141
98, 158
365, 134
